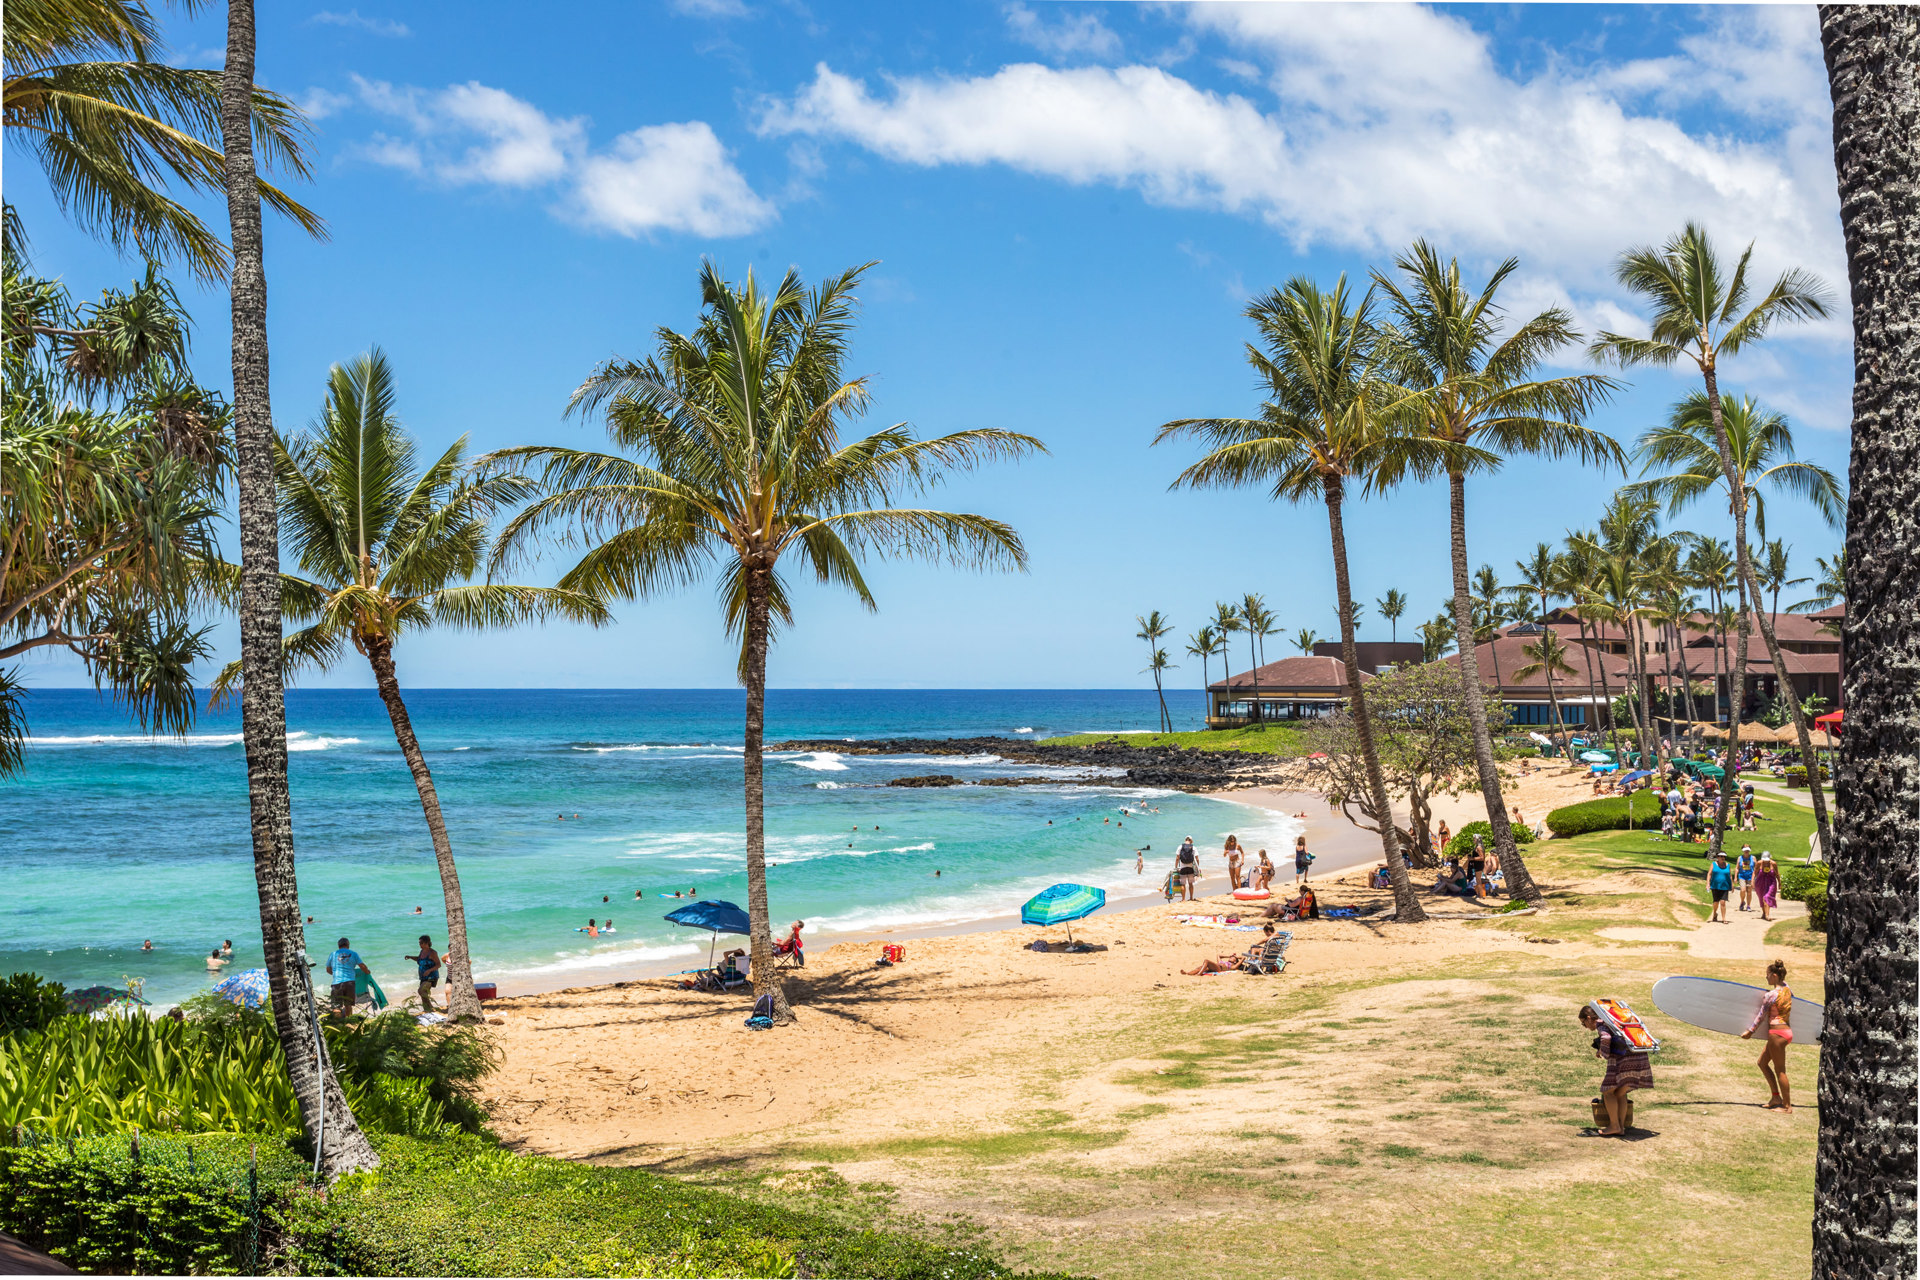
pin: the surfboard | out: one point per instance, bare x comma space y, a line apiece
1714, 1004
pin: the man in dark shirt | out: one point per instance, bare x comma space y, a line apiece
429, 962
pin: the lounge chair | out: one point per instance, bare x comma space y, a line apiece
1268, 956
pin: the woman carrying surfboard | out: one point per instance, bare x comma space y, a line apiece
1776, 1015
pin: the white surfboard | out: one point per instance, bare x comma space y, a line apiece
1714, 1004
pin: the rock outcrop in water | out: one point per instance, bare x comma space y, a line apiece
1176, 768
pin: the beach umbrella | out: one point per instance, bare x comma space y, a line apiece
248, 988
1832, 720
715, 915
89, 1000
1596, 757
1062, 904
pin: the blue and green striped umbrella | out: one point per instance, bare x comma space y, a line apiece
1062, 903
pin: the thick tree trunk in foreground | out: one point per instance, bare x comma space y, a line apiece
761, 960
1864, 1201
1519, 881
263, 710
462, 1003
1820, 825
1406, 903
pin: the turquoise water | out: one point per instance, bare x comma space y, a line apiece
112, 837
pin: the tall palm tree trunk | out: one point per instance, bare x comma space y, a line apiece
1864, 1196
1606, 692
1587, 651
1166, 722
1407, 908
1519, 880
1820, 824
1730, 783
462, 1004
1253, 656
1553, 700
1719, 634
1666, 643
1686, 678
1226, 672
263, 709
761, 958
1743, 559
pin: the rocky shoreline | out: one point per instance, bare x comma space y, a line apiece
1175, 768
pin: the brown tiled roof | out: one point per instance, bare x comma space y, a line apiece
1290, 675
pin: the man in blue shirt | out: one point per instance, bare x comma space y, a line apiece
1720, 881
341, 966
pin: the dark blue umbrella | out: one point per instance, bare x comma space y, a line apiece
716, 915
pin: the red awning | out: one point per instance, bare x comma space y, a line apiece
1832, 717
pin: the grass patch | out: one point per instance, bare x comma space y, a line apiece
1267, 739
1794, 933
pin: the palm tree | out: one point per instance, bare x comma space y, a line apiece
89, 95
340, 1145
1392, 605
1489, 605
1261, 625
1226, 624
1327, 423
1480, 397
1571, 581
1158, 665
1709, 568
1830, 588
1772, 567
1864, 1194
728, 449
1436, 637
1203, 644
1304, 640
1548, 655
1152, 628
383, 546
1749, 450
1700, 315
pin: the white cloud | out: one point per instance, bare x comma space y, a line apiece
1075, 34
318, 104
711, 8
1389, 122
667, 177
352, 18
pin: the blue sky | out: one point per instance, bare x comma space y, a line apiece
1070, 205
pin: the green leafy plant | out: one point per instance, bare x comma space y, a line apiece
1797, 882
1817, 907
1461, 844
1610, 813
29, 1002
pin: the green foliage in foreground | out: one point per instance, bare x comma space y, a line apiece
1816, 899
28, 1003
1800, 882
1611, 813
448, 1206
100, 1075
1272, 739
1461, 843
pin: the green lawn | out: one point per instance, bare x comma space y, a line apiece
1272, 739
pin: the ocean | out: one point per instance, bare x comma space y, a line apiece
112, 837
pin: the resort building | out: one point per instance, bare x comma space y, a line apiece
1309, 687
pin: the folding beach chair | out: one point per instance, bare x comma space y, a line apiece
1270, 955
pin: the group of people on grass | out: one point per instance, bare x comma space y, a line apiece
1628, 1069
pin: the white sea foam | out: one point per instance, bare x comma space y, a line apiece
565, 962
606, 748
983, 758
302, 742
1027, 729
827, 786
137, 740
826, 761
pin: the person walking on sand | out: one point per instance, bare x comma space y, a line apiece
1186, 868
428, 961
1720, 884
1302, 861
1766, 884
1776, 1015
1743, 873
1626, 1071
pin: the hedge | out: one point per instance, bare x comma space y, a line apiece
1462, 842
1610, 813
444, 1206
1817, 907
1798, 881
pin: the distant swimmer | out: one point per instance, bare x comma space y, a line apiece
593, 928
226, 949
637, 895
214, 963
876, 826
560, 816
417, 911
1107, 822
147, 945
603, 897
936, 873
576, 816
692, 893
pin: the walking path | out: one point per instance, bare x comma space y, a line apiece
1741, 937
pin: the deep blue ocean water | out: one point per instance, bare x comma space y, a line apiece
111, 837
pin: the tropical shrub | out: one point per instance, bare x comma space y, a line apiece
1462, 842
97, 1075
1797, 881
29, 1002
1817, 907
1610, 813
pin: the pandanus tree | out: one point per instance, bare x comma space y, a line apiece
1480, 396
728, 456
1328, 423
90, 94
1700, 316
1154, 627
384, 547
1686, 454
340, 1145
1864, 1180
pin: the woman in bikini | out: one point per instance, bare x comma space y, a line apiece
1776, 1015
1263, 872
1236, 862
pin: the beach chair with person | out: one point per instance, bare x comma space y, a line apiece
1269, 955
790, 952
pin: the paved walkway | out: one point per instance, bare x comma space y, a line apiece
1742, 937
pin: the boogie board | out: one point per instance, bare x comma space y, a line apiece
1728, 1007
1252, 895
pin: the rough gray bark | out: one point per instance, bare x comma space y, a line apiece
1406, 903
462, 1004
1864, 1195
1519, 880
263, 711
760, 940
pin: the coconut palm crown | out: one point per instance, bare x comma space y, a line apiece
383, 547
728, 459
